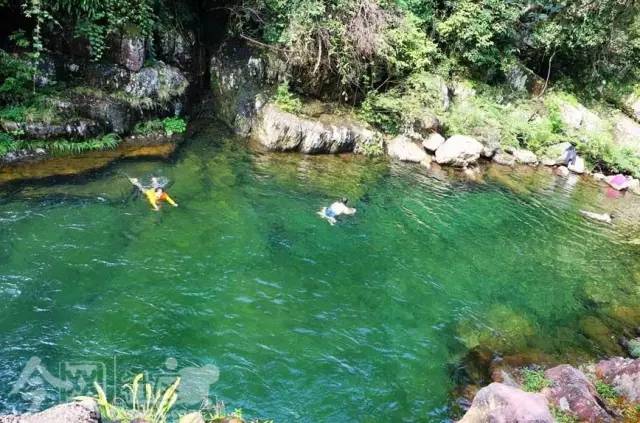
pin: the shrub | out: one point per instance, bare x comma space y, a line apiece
561, 416
149, 127
534, 380
16, 79
286, 100
174, 125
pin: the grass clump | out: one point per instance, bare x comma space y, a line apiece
534, 380
219, 414
168, 126
606, 391
286, 100
9, 144
561, 416
150, 406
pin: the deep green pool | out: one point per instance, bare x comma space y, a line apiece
368, 320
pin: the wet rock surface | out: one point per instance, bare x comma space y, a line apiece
459, 150
623, 374
404, 149
573, 393
502, 403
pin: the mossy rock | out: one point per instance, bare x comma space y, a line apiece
503, 330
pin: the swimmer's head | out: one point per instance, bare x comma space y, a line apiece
344, 200
159, 190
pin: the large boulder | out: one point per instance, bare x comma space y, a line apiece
503, 158
85, 411
132, 53
239, 75
555, 154
579, 166
576, 116
573, 393
433, 142
113, 114
505, 404
523, 156
422, 127
404, 149
459, 150
631, 105
521, 78
623, 374
278, 130
176, 47
626, 133
159, 82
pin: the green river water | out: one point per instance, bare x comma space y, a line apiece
369, 320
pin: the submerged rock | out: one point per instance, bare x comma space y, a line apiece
278, 130
501, 403
573, 393
459, 150
623, 374
403, 149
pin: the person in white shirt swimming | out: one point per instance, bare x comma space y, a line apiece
336, 209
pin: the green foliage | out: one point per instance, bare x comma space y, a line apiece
168, 126
561, 416
174, 125
96, 20
373, 148
148, 406
149, 127
606, 391
16, 79
634, 348
9, 143
534, 380
13, 113
396, 108
481, 32
219, 414
286, 100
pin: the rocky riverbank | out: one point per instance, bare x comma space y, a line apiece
608, 391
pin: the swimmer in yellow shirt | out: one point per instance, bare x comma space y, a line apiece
154, 195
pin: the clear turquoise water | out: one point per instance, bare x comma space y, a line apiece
368, 320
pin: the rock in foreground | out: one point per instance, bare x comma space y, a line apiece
623, 374
459, 150
403, 149
501, 403
85, 411
573, 393
278, 130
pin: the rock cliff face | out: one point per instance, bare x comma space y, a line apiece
238, 77
278, 130
85, 411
